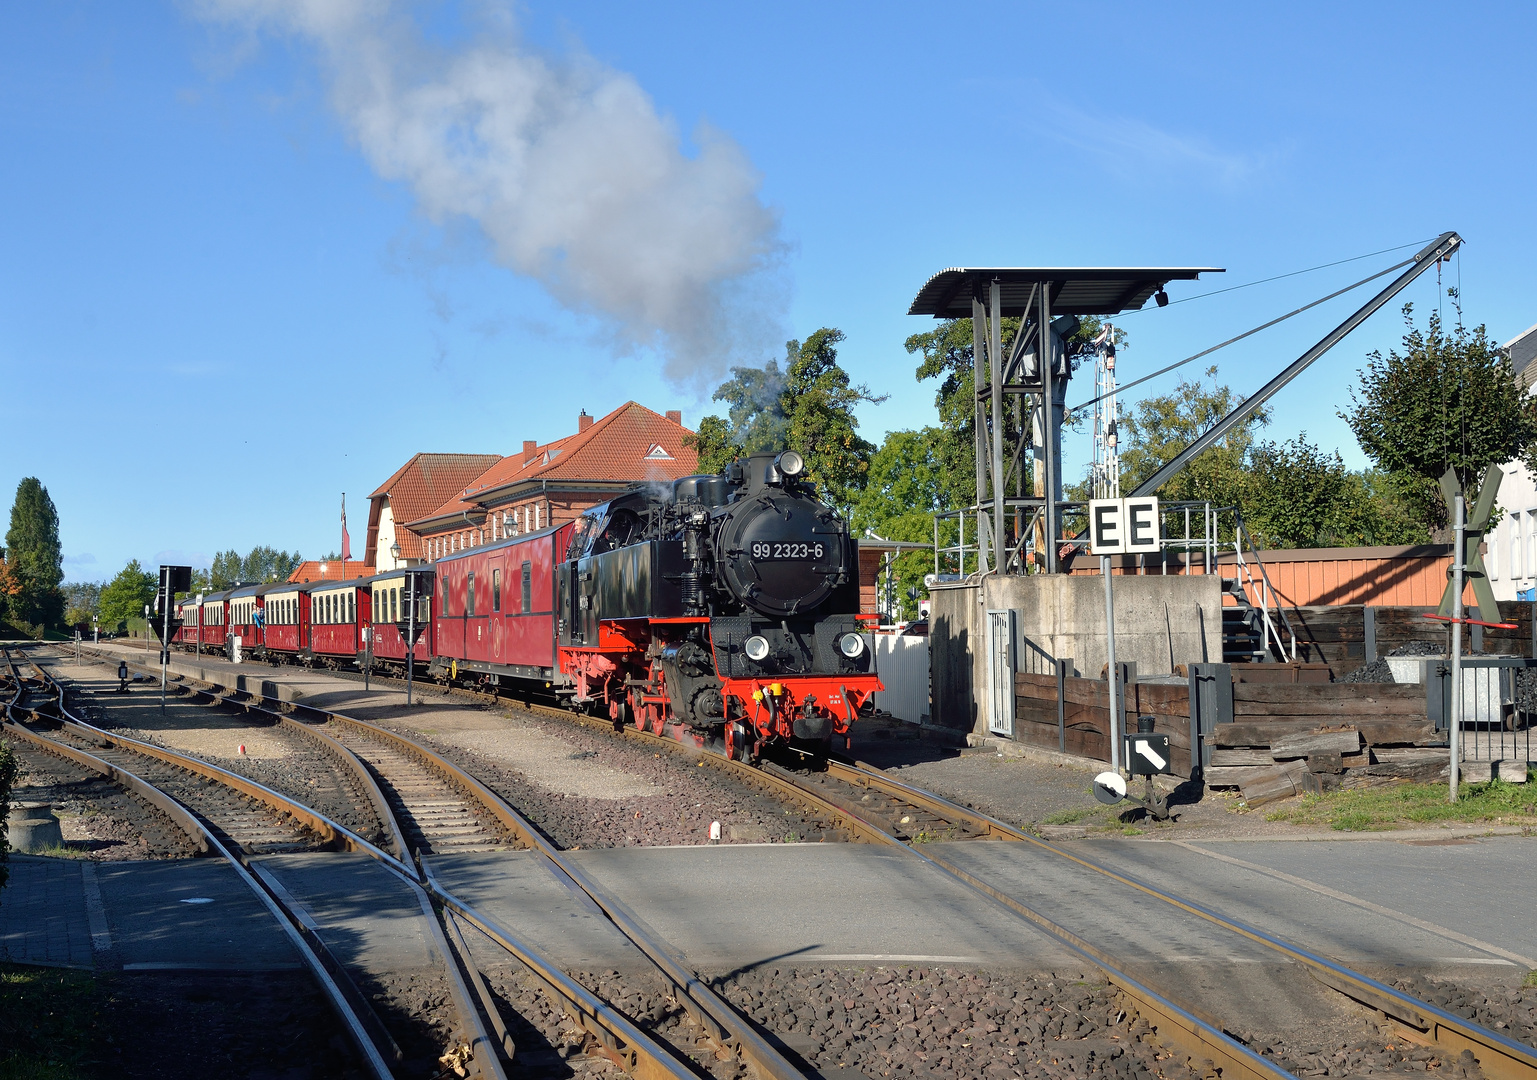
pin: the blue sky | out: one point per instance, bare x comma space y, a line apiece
222, 304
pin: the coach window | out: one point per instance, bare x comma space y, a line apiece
496, 590
528, 587
394, 605
352, 607
469, 596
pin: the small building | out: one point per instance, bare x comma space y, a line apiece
1512, 545
415, 490
546, 484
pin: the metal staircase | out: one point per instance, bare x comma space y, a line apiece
1243, 627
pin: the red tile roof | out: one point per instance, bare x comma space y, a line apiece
418, 487
336, 570
629, 444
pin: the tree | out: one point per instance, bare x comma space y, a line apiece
124, 596
1447, 401
225, 571
265, 565
948, 356
35, 557
1299, 496
1158, 428
905, 488
809, 405
818, 402
82, 600
712, 442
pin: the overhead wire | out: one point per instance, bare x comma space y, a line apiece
1278, 277
1248, 333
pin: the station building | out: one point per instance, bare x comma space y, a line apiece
1512, 544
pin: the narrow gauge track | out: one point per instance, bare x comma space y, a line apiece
877, 808
725, 1034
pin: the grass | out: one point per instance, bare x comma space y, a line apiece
48, 1018
1530, 980
1396, 805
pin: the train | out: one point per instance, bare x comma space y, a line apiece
718, 610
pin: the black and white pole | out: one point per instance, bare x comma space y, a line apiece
165, 644
368, 655
1112, 673
1455, 740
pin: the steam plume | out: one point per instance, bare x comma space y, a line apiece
566, 167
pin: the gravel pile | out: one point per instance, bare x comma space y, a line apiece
689, 797
1420, 648
1377, 671
1526, 690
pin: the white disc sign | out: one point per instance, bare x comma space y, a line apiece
1109, 788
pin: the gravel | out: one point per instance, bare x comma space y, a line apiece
1420, 648
1378, 671
685, 797
1510, 1010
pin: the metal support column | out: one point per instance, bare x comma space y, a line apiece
1047, 363
995, 384
978, 347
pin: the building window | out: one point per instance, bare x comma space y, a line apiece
528, 586
469, 596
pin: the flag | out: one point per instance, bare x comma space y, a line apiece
346, 541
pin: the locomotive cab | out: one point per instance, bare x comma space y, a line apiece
720, 609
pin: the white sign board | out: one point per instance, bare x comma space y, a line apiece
1124, 526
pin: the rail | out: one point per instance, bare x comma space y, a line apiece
717, 1018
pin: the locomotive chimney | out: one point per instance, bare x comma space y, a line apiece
583, 422
529, 446
676, 416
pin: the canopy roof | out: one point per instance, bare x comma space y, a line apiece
1075, 290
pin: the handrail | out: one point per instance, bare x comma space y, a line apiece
1243, 538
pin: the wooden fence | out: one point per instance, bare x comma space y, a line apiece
1347, 636
1238, 726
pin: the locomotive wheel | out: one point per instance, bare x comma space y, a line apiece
619, 712
739, 743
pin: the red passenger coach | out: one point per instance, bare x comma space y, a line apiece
387, 607
495, 610
338, 612
285, 617
245, 619
205, 621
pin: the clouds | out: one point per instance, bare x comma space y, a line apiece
565, 166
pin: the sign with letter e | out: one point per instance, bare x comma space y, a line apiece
1122, 526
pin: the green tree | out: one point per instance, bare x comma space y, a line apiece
818, 402
1449, 400
948, 356
712, 442
809, 405
905, 488
82, 599
34, 556
265, 565
1158, 428
124, 596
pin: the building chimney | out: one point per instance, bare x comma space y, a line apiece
529, 446
676, 416
583, 422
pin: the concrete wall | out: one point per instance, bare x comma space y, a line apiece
1159, 622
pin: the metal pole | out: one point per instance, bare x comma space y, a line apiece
368, 655
1112, 673
995, 383
978, 347
1047, 364
165, 644
1459, 530
411, 633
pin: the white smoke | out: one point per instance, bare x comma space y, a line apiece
566, 167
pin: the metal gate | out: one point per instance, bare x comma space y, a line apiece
1000, 672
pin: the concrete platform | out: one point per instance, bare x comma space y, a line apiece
192, 914
739, 906
1424, 902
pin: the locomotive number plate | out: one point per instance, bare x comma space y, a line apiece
764, 551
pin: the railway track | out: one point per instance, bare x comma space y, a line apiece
875, 808
459, 814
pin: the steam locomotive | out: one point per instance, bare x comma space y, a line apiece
722, 611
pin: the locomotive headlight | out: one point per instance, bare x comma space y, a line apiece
851, 645
756, 647
790, 464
